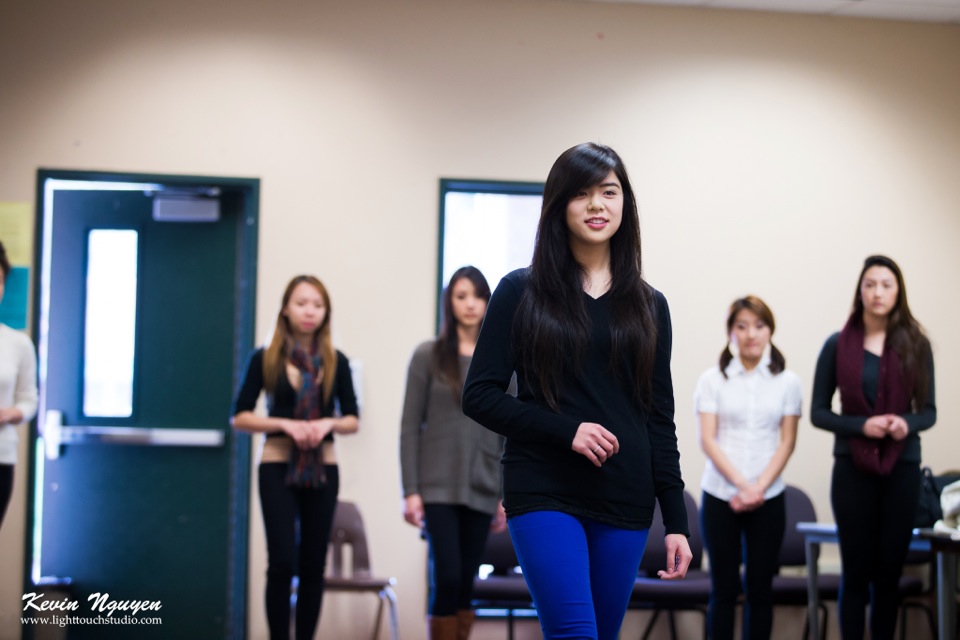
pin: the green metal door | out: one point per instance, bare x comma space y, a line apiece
140, 487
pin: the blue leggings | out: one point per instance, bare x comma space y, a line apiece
580, 572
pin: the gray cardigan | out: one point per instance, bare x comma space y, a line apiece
445, 456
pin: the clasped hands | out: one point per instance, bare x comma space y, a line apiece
748, 498
308, 434
889, 424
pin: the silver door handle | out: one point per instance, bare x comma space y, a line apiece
54, 434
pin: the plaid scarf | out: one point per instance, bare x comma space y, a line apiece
306, 465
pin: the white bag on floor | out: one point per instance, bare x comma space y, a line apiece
950, 503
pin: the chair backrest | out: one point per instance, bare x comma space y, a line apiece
799, 508
655, 554
348, 530
499, 553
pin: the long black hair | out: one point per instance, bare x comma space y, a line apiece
552, 326
446, 350
904, 334
4, 262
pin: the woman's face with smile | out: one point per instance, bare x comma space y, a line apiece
594, 213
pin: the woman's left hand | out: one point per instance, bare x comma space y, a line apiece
318, 430
748, 499
897, 428
678, 557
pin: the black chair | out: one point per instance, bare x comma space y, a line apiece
505, 588
690, 594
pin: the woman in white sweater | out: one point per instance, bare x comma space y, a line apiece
18, 391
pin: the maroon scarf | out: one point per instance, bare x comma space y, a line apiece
871, 455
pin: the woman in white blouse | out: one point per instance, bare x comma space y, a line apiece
18, 391
748, 408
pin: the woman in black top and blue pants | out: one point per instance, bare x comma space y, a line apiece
882, 365
590, 437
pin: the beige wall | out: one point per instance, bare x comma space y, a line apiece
771, 153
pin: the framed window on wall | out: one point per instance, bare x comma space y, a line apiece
490, 225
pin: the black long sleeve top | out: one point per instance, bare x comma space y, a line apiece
540, 469
343, 400
845, 426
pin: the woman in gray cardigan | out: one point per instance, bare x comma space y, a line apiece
450, 464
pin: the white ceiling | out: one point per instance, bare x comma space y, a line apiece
911, 10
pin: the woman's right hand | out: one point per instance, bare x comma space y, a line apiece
11, 415
595, 443
413, 510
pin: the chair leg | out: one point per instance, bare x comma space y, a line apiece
376, 622
822, 623
294, 588
928, 612
672, 623
391, 598
649, 628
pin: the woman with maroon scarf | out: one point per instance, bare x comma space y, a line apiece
882, 365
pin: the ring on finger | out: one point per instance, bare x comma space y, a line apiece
597, 449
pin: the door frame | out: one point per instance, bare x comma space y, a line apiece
237, 444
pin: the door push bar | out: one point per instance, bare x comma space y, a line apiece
55, 434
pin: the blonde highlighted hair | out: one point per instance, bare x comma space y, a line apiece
278, 352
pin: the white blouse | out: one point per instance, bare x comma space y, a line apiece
749, 406
18, 385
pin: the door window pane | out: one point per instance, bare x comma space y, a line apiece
111, 320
